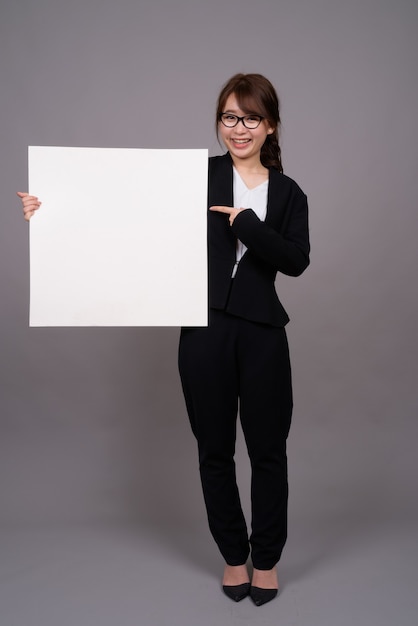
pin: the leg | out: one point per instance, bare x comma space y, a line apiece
207, 366
266, 409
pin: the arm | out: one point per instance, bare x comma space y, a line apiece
288, 252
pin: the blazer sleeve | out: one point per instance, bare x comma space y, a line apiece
285, 248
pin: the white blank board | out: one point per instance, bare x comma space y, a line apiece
120, 238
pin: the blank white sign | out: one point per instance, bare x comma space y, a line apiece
120, 238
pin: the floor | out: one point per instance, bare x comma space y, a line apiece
121, 575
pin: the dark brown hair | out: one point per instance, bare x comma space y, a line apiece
255, 94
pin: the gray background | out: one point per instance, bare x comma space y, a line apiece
102, 519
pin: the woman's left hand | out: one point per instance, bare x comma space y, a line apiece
229, 210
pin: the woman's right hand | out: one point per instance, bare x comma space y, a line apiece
30, 204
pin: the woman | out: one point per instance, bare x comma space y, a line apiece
257, 225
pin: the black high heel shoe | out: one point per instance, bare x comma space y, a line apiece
237, 592
261, 596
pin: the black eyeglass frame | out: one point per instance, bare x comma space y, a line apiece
240, 119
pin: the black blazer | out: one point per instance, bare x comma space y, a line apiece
280, 243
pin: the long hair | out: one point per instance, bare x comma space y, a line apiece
255, 94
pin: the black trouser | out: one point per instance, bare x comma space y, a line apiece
235, 359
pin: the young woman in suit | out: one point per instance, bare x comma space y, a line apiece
257, 226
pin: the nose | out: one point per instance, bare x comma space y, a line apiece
240, 127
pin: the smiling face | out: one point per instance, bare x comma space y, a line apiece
243, 143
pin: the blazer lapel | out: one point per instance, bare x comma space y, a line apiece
220, 184
275, 206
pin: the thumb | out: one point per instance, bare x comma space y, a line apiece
21, 194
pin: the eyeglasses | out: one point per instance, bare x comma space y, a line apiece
249, 121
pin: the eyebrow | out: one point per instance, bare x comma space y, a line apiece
235, 112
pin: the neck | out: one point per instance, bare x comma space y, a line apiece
249, 166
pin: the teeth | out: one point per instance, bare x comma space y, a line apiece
241, 140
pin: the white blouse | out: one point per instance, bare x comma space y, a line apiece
244, 198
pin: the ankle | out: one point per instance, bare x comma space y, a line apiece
265, 579
235, 575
